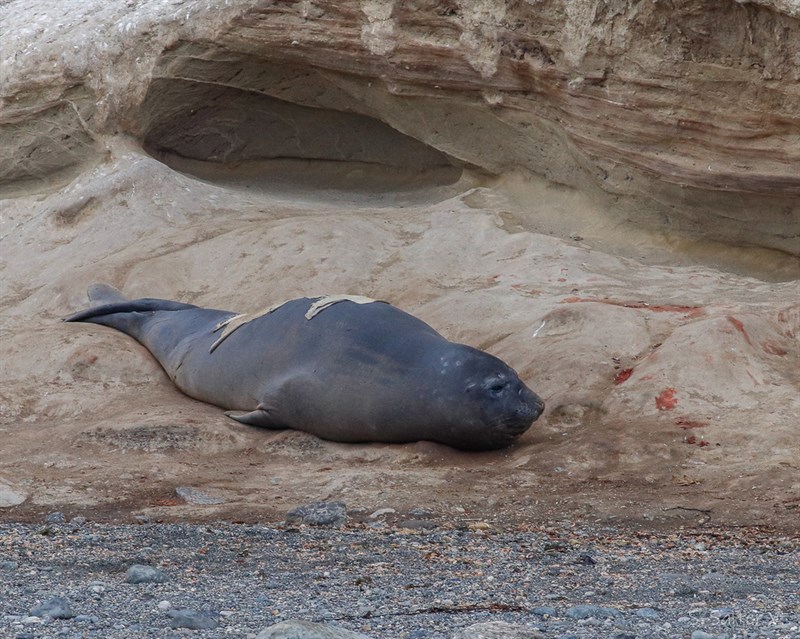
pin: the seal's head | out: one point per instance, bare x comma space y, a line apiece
496, 407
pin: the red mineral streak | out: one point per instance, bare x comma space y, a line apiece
623, 375
666, 400
773, 348
528, 291
686, 424
740, 327
690, 311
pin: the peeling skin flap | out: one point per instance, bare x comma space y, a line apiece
232, 323
237, 321
328, 301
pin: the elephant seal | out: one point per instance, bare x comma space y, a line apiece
358, 370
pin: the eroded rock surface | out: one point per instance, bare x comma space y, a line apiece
669, 121
550, 182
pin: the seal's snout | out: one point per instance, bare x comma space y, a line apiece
534, 403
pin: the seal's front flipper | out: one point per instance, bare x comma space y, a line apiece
259, 417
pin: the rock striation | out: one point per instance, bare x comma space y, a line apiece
666, 120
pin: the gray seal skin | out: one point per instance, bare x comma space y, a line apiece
353, 373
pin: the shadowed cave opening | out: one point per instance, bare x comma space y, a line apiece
226, 134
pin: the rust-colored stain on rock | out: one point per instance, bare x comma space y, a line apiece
623, 375
666, 400
687, 424
691, 312
740, 327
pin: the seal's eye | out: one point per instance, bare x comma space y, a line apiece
497, 386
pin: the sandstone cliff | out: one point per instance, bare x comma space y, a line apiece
680, 116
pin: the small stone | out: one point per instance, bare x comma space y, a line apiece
498, 630
722, 613
56, 608
77, 522
647, 613
8, 565
585, 559
417, 524
325, 513
140, 574
164, 605
544, 611
587, 611
699, 634
193, 619
381, 512
685, 590
10, 497
297, 629
55, 518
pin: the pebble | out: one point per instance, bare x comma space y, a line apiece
10, 497
647, 613
55, 518
498, 630
56, 608
381, 512
585, 560
417, 524
722, 613
140, 574
197, 496
193, 619
324, 513
299, 629
588, 611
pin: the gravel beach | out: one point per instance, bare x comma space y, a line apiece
415, 579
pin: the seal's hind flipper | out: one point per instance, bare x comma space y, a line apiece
129, 306
258, 417
105, 294
108, 300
